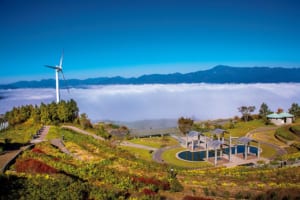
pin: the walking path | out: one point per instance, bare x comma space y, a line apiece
157, 155
7, 157
78, 130
59, 144
129, 144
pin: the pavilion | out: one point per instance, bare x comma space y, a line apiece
216, 142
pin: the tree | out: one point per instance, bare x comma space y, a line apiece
246, 111
279, 110
185, 125
295, 109
84, 121
264, 110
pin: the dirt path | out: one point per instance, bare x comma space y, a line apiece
78, 130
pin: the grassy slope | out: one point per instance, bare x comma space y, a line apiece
21, 133
110, 172
155, 142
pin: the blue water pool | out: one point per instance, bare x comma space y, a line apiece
201, 155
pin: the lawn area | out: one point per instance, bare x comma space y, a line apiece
139, 153
169, 156
242, 128
268, 136
267, 151
19, 134
155, 142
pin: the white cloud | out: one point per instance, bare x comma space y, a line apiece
137, 102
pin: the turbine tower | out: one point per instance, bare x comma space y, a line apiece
58, 68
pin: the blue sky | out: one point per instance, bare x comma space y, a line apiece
134, 37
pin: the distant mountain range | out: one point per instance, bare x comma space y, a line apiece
218, 74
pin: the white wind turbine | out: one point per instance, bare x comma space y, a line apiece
58, 68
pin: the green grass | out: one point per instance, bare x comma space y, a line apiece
267, 151
169, 157
155, 142
268, 136
139, 153
285, 133
242, 128
19, 134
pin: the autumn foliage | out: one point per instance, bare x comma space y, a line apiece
34, 166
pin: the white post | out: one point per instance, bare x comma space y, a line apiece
216, 155
236, 149
57, 86
246, 151
206, 151
258, 151
193, 145
229, 153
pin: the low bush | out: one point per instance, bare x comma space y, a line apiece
296, 129
34, 166
285, 133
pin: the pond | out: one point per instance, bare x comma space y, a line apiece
201, 155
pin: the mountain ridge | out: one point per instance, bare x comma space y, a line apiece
218, 74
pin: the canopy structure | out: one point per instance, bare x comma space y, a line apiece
214, 144
193, 134
244, 140
218, 131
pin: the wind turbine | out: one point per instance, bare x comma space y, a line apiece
58, 68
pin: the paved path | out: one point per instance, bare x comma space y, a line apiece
129, 144
59, 144
78, 130
42, 135
157, 155
8, 156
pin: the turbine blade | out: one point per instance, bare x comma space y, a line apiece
52, 67
67, 85
61, 59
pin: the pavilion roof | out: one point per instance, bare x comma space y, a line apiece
193, 133
214, 144
218, 131
280, 115
244, 140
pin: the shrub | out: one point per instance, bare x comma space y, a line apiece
154, 183
195, 198
34, 166
285, 133
175, 186
39, 151
296, 130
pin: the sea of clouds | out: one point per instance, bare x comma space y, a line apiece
139, 102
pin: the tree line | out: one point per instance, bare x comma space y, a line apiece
53, 113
